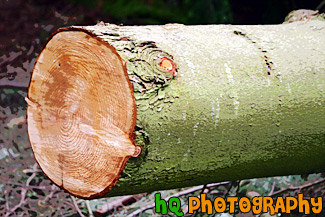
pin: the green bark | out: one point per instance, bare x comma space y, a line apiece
247, 101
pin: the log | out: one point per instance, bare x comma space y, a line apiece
204, 103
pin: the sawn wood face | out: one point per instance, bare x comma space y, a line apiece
81, 113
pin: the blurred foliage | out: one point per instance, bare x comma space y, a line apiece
196, 11
163, 11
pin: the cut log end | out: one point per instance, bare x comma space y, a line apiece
81, 113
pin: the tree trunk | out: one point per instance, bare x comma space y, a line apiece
214, 102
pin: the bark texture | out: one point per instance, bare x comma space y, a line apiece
244, 101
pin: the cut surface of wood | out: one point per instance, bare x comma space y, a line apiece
81, 113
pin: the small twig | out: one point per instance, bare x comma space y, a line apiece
118, 202
216, 192
238, 187
273, 187
237, 191
181, 193
22, 196
25, 186
7, 204
228, 190
31, 171
76, 206
50, 195
21, 202
13, 84
12, 56
203, 188
199, 196
298, 187
91, 214
30, 179
320, 5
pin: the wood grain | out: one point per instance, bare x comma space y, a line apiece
81, 113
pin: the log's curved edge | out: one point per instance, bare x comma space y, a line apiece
131, 134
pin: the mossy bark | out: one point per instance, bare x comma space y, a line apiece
246, 102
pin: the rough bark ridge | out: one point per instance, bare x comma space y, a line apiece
245, 102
